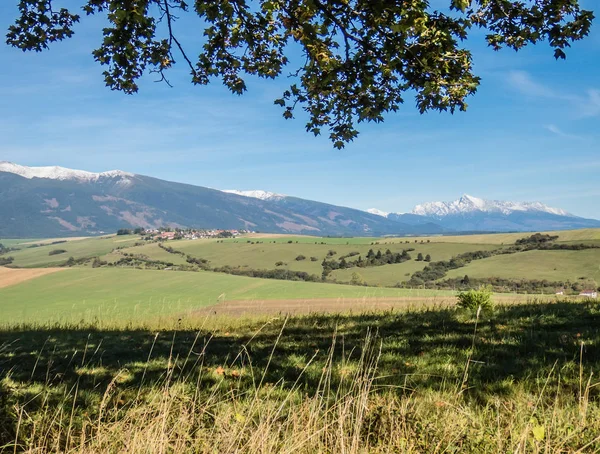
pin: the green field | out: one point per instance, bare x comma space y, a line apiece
151, 250
125, 293
110, 294
11, 242
387, 275
484, 238
507, 238
550, 265
265, 255
36, 257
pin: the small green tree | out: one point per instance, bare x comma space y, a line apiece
357, 279
420, 257
474, 299
428, 258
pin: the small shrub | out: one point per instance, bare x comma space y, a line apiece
314, 259
357, 279
57, 251
300, 258
279, 263
473, 299
6, 260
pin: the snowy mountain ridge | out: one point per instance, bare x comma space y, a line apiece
377, 212
59, 173
256, 194
470, 204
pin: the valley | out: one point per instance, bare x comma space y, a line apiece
133, 277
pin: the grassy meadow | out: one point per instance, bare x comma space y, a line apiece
550, 265
267, 253
39, 256
483, 238
113, 294
520, 379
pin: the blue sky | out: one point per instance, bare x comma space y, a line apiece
532, 132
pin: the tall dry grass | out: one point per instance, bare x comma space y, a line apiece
242, 411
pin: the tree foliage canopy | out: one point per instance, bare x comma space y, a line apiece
360, 57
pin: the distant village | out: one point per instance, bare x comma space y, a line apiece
167, 233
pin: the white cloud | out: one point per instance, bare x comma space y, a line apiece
559, 132
586, 105
523, 82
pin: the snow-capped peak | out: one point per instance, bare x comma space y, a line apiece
59, 173
256, 194
469, 204
377, 212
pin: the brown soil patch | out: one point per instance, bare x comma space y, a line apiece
339, 305
11, 276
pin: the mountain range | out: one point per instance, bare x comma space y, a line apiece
472, 214
56, 201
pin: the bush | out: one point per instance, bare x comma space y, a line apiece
6, 260
300, 258
357, 279
57, 251
314, 259
474, 299
279, 263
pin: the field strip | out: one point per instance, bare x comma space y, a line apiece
52, 240
11, 276
275, 235
340, 305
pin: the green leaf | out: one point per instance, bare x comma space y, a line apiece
539, 432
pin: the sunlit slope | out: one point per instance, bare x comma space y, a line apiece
30, 256
550, 265
266, 254
121, 294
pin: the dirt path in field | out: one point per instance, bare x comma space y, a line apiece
11, 276
338, 305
